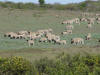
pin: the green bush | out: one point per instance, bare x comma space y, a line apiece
70, 65
15, 66
64, 64
94, 6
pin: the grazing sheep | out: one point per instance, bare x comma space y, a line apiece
77, 20
13, 36
69, 31
91, 20
8, 34
83, 19
45, 31
23, 33
30, 42
50, 30
88, 37
77, 41
68, 22
64, 33
97, 14
98, 19
63, 42
89, 25
56, 37
60, 42
57, 16
43, 40
52, 37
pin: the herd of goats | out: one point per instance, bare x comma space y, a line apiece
47, 35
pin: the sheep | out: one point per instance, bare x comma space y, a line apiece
52, 37
64, 33
63, 42
43, 40
45, 31
77, 41
68, 22
49, 36
88, 37
55, 38
34, 35
13, 36
57, 16
69, 31
30, 42
60, 42
91, 20
50, 30
77, 20
83, 19
97, 14
8, 34
23, 32
89, 25
98, 19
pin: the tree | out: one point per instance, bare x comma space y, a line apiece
41, 2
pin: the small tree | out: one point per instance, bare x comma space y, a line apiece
41, 2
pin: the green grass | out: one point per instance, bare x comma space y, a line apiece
37, 53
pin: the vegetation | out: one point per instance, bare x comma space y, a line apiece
64, 64
14, 20
43, 58
15, 66
88, 5
41, 2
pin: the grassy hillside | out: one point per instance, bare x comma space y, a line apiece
33, 20
16, 20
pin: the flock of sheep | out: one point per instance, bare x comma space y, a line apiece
46, 35
90, 22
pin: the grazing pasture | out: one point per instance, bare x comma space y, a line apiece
33, 20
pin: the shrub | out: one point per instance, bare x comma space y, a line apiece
70, 65
14, 66
64, 64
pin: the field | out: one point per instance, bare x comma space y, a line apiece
33, 20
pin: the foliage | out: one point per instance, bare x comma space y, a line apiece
77, 65
15, 66
63, 65
90, 5
41, 2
